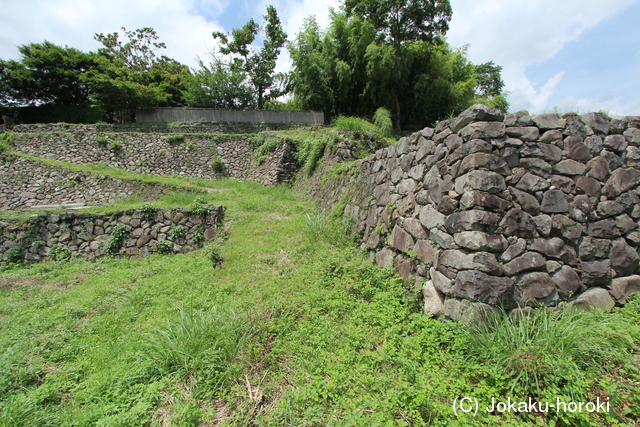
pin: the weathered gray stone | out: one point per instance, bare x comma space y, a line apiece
569, 229
547, 121
430, 217
472, 199
622, 287
472, 220
426, 252
598, 168
413, 226
612, 159
554, 201
580, 152
597, 298
624, 259
536, 166
621, 180
477, 286
544, 224
481, 241
632, 135
433, 303
590, 186
605, 229
615, 143
567, 282
460, 259
482, 180
487, 161
548, 152
518, 223
528, 202
400, 239
569, 167
442, 239
533, 288
529, 261
609, 208
467, 312
596, 273
519, 118
384, 257
599, 122
441, 282
563, 183
514, 250
532, 183
528, 133
483, 130
576, 127
625, 224
591, 248
551, 136
475, 113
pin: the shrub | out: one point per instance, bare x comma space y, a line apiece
256, 141
382, 119
175, 138
164, 247
116, 238
353, 124
148, 211
102, 141
6, 141
269, 146
543, 350
60, 252
191, 146
198, 207
177, 232
116, 146
217, 164
14, 255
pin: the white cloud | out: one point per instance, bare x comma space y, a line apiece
517, 34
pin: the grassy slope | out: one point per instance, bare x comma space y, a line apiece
295, 328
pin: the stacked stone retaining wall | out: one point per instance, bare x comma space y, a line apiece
90, 235
491, 210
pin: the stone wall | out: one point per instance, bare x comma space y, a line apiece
196, 155
25, 183
491, 210
92, 236
233, 116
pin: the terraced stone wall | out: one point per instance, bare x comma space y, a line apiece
491, 210
132, 233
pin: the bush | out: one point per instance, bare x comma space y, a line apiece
217, 164
269, 146
102, 141
148, 212
116, 239
14, 255
116, 146
382, 119
6, 141
60, 252
256, 141
164, 247
177, 232
175, 138
354, 124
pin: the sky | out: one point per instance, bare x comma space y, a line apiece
557, 55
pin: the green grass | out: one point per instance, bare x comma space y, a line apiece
295, 327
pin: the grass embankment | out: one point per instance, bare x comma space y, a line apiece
295, 328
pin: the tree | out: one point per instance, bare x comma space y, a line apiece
258, 64
46, 73
218, 86
400, 21
138, 53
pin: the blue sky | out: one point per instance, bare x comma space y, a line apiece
563, 55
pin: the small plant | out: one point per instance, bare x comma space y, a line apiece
382, 119
116, 146
148, 212
60, 252
102, 141
353, 124
36, 245
256, 141
217, 164
6, 141
164, 247
197, 237
214, 254
191, 146
14, 255
177, 232
116, 239
261, 160
198, 207
269, 146
175, 138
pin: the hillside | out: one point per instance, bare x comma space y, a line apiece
283, 321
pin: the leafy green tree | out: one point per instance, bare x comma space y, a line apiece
400, 21
258, 64
218, 85
489, 85
46, 73
138, 53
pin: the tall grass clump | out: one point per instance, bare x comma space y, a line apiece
6, 141
323, 227
546, 351
382, 119
198, 342
354, 124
